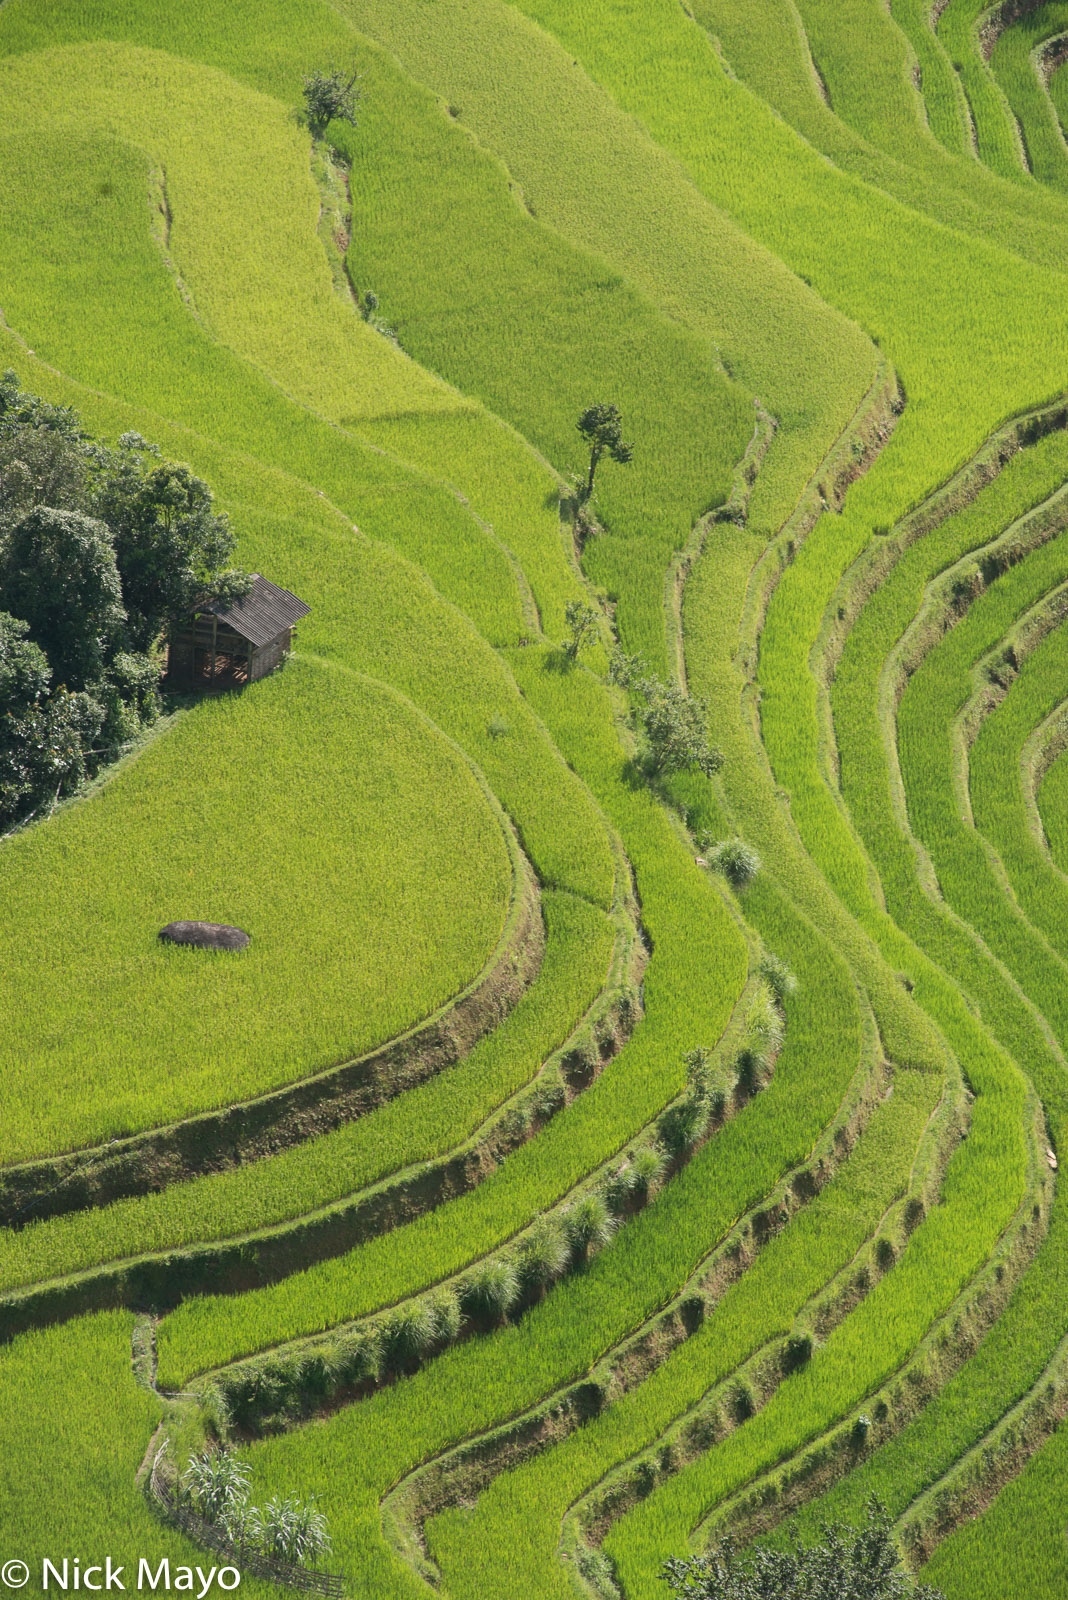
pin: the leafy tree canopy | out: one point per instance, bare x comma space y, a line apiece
58, 573
674, 723
329, 96
602, 428
101, 548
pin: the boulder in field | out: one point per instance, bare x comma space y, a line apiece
205, 935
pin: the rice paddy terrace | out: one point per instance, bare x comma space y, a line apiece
420, 1202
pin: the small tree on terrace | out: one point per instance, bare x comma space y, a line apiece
675, 724
676, 728
582, 621
602, 428
330, 96
846, 1565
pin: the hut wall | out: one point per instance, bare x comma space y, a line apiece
271, 655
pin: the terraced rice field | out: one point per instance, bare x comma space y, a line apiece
539, 1200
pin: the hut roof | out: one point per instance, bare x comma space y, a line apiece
263, 613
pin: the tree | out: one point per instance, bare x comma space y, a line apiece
171, 546
24, 670
675, 724
42, 454
676, 729
100, 547
602, 428
581, 619
329, 96
58, 573
846, 1565
44, 738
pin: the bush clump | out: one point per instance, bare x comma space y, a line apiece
101, 549
777, 975
674, 724
589, 1225
215, 1484
407, 1334
844, 1565
543, 1256
490, 1290
736, 860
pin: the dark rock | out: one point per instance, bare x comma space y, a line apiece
205, 935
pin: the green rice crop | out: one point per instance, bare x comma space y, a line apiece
695, 974
1008, 1362
1013, 65
1018, 1546
461, 496
861, 1353
81, 1411
361, 1451
528, 1505
857, 698
1058, 93
643, 216
775, 334
423, 1123
418, 885
1052, 798
427, 651
436, 671
873, 126
947, 108
444, 539
996, 133
935, 693
407, 145
995, 783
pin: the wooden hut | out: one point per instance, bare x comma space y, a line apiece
227, 646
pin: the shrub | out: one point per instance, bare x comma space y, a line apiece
292, 1530
697, 1074
407, 1334
543, 1255
551, 1094
844, 1565
676, 729
357, 1357
777, 975
213, 1481
763, 1023
243, 1525
742, 1403
797, 1352
736, 860
581, 620
588, 1225
618, 1188
490, 1290
647, 1165
681, 1125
